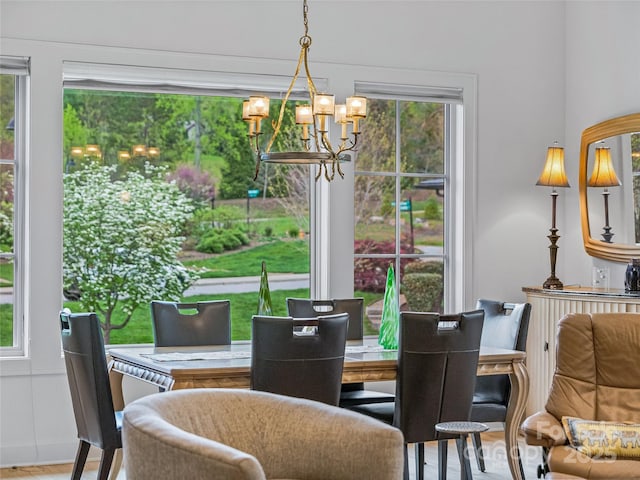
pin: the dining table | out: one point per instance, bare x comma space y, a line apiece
229, 366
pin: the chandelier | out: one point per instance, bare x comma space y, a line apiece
138, 151
313, 118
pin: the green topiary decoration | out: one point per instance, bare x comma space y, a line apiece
388, 336
264, 296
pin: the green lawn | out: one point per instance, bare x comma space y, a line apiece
6, 325
282, 256
280, 227
6, 273
243, 306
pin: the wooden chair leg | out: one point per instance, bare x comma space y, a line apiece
477, 447
442, 459
105, 463
117, 464
81, 458
419, 448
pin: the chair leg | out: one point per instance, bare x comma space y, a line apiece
463, 453
405, 475
81, 458
117, 464
419, 448
543, 469
477, 447
442, 459
105, 463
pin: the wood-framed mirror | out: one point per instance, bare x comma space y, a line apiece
610, 210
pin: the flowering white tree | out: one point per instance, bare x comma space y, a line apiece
121, 240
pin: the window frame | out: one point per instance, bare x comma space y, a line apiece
19, 68
453, 256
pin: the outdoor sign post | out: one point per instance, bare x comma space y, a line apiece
407, 206
252, 193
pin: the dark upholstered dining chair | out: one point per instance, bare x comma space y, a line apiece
505, 326
191, 324
299, 357
350, 393
437, 365
309, 308
86, 364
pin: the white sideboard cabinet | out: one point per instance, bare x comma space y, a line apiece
547, 308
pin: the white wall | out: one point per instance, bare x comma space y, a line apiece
602, 82
516, 49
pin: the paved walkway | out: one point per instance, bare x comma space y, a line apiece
204, 286
277, 281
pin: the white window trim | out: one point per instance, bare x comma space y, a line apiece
456, 253
19, 66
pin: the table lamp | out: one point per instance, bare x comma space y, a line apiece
603, 175
553, 175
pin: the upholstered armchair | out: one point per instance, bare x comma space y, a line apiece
593, 406
241, 434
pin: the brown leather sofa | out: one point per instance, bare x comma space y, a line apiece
597, 377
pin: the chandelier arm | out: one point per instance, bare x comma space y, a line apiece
278, 124
327, 144
340, 172
352, 147
319, 174
305, 42
255, 176
315, 130
257, 143
326, 173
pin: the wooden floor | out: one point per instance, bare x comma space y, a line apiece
493, 443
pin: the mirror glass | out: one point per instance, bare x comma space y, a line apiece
609, 182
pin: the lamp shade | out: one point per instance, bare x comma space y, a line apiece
603, 174
553, 174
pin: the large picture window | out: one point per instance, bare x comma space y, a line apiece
159, 197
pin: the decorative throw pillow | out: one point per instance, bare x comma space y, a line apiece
603, 439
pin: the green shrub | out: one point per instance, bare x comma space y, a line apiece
432, 209
210, 244
241, 236
268, 231
229, 240
423, 291
294, 232
425, 266
217, 240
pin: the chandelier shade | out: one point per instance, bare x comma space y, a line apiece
312, 117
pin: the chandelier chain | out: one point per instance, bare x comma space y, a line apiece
305, 9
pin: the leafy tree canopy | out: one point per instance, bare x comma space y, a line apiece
121, 240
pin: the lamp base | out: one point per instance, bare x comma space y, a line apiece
553, 283
607, 235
